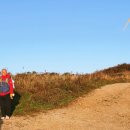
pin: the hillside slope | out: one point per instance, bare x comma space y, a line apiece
107, 108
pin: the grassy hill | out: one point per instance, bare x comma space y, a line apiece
117, 69
40, 92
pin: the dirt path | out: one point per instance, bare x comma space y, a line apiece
107, 108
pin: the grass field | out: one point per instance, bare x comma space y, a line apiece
41, 92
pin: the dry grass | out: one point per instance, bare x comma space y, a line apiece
51, 90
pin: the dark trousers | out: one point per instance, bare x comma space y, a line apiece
5, 104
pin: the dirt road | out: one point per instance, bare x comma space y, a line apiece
107, 108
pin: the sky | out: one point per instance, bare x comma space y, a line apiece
78, 36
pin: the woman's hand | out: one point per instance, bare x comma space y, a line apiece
11, 96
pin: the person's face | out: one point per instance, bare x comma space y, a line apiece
4, 72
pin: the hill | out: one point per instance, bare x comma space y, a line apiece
40, 92
107, 108
121, 68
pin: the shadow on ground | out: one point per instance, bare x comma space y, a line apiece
15, 102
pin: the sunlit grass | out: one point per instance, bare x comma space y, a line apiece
47, 91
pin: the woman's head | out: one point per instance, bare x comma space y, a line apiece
4, 72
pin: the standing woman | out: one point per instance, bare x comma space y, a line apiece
6, 94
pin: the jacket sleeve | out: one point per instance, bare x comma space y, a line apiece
11, 86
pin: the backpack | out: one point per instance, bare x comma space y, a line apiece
4, 86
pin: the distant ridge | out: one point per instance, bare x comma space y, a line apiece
117, 69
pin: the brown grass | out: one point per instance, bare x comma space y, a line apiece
51, 90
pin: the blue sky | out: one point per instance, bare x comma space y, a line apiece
63, 35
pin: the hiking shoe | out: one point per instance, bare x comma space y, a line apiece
2, 118
7, 117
